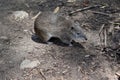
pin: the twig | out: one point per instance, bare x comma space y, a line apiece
101, 28
36, 15
100, 31
102, 13
111, 29
105, 34
114, 23
83, 9
41, 73
105, 38
115, 58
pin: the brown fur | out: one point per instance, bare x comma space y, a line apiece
49, 24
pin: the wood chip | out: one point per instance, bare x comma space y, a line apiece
71, 0
56, 10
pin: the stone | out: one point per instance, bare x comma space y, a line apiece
71, 0
29, 64
4, 37
19, 15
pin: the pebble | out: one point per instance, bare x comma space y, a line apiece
29, 64
3, 37
71, 0
19, 15
87, 56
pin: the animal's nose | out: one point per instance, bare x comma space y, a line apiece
84, 37
78, 33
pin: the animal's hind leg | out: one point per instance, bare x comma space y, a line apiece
46, 37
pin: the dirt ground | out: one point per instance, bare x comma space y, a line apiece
97, 59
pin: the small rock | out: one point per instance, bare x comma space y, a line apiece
71, 0
87, 56
25, 30
29, 64
19, 15
3, 37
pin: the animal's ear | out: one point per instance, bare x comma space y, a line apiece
77, 23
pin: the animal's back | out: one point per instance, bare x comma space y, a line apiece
51, 22
46, 21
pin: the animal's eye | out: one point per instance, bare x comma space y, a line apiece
72, 28
78, 33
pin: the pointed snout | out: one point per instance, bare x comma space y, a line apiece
84, 37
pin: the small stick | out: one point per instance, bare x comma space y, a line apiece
105, 39
111, 29
101, 28
102, 13
114, 23
36, 15
100, 31
41, 73
83, 9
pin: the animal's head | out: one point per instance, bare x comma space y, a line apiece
77, 32
73, 29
